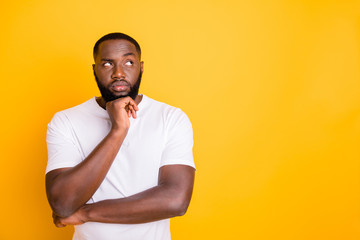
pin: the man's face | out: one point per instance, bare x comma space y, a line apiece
117, 69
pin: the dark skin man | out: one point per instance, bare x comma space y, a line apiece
69, 189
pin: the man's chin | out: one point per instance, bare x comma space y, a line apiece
117, 96
113, 97
120, 94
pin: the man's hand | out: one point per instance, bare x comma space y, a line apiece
76, 219
119, 112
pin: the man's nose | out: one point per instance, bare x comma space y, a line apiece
118, 72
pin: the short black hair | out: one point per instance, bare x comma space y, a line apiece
116, 35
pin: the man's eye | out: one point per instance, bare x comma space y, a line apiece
129, 63
107, 64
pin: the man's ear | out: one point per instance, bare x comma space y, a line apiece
93, 67
142, 66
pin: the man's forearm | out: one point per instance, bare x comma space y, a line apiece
152, 205
68, 189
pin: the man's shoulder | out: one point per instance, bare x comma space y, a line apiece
166, 111
84, 106
157, 106
77, 111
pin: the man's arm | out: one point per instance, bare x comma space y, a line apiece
70, 188
169, 198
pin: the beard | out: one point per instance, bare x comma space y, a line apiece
108, 96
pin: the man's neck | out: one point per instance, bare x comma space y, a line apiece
102, 102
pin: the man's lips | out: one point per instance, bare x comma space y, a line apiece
119, 86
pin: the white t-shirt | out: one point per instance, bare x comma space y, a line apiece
160, 135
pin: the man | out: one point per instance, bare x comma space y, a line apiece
119, 165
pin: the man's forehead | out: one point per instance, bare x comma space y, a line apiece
117, 46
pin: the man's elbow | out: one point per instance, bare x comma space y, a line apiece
60, 205
179, 207
182, 210
62, 210
61, 202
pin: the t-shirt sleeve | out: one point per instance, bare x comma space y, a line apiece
179, 141
62, 151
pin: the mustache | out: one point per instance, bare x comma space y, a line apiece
120, 83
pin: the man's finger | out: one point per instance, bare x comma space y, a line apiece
131, 102
134, 105
57, 222
60, 225
133, 112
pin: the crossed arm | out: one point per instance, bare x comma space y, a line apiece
170, 198
68, 189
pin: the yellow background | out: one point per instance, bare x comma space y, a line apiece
272, 89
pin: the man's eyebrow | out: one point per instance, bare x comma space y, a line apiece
128, 54
106, 60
